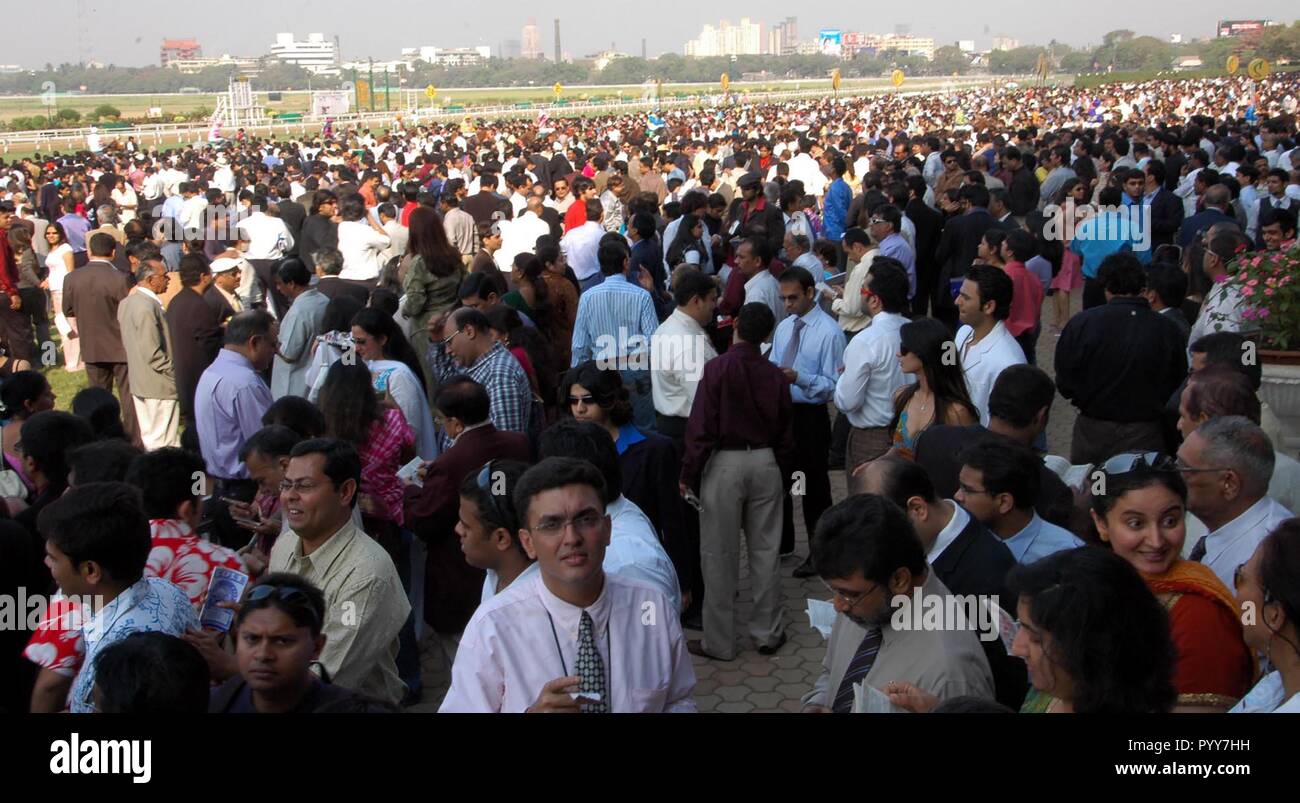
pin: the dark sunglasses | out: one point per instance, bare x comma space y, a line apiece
290, 595
484, 483
588, 399
1137, 461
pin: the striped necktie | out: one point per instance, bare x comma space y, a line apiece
858, 669
1198, 551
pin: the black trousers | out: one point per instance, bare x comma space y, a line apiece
265, 270
1094, 294
807, 474
690, 575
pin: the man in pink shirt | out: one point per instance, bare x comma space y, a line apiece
1027, 295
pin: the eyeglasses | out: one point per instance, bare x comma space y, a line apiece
447, 340
851, 599
1183, 468
588, 399
301, 486
877, 220
583, 524
1135, 461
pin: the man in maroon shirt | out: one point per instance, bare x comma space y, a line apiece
739, 429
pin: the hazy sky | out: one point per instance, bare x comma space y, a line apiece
129, 33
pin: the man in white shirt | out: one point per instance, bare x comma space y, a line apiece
268, 241
1227, 463
581, 245
984, 345
362, 241
519, 236
223, 178
679, 349
1224, 305
864, 393
191, 216
753, 258
574, 637
398, 235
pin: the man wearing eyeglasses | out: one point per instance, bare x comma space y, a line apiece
1227, 463
365, 603
461, 343
869, 556
573, 638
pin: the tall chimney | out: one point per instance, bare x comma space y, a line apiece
557, 41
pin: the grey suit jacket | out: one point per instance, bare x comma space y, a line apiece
148, 343
945, 663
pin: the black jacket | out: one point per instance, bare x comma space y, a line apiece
767, 223
958, 247
1023, 192
1166, 217
196, 338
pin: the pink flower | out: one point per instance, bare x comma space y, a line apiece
1263, 313
1247, 292
1242, 277
1252, 282
1268, 291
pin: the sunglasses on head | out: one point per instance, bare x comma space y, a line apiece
1138, 461
290, 595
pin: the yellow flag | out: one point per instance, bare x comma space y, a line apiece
896, 78
363, 93
1234, 63
557, 89
726, 82
430, 91
835, 79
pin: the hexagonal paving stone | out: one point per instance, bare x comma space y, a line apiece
734, 693
793, 691
741, 707
707, 702
760, 668
760, 684
791, 675
767, 699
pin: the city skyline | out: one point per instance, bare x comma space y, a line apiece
107, 36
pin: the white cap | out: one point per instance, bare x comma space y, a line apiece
223, 264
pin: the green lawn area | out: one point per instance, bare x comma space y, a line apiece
65, 385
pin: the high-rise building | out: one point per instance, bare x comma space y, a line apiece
173, 49
531, 45
316, 54
511, 49
1005, 43
744, 39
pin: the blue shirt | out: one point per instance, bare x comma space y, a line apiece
820, 358
896, 247
75, 228
1040, 539
615, 320
838, 198
151, 605
228, 408
1100, 236
628, 435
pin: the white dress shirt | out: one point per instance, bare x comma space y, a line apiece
525, 637
763, 288
580, 247
982, 362
679, 348
1233, 544
872, 374
519, 236
960, 518
268, 237
634, 551
362, 248
491, 579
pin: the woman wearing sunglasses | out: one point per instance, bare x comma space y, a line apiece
1268, 591
938, 396
1141, 516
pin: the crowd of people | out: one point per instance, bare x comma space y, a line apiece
518, 388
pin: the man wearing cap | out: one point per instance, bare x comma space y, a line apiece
752, 216
222, 294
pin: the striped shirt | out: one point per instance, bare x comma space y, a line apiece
615, 321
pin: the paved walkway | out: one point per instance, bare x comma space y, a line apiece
772, 683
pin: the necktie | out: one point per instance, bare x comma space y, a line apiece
792, 348
591, 668
861, 664
1198, 551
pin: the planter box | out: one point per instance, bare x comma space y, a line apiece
1280, 390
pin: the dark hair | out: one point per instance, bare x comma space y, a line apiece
1218, 390
1121, 274
497, 510
348, 402
902, 479
611, 256
20, 389
1007, 467
464, 398
755, 322
293, 271
551, 473
1135, 479
532, 269
585, 440
342, 463
101, 461
1168, 282
606, 386
1227, 348
152, 673
429, 242
870, 534
352, 206
307, 610
396, 347
888, 280
166, 479
929, 340
297, 414
339, 313
690, 285
1279, 571
1019, 392
994, 285
1021, 244
49, 438
100, 522
1108, 632
800, 275
101, 244
100, 408
192, 269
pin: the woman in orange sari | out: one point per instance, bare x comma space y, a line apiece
1141, 516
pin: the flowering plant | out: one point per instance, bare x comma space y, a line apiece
1270, 293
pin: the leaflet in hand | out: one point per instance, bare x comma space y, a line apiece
867, 699
821, 615
227, 585
410, 472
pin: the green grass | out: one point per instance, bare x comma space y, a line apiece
65, 385
1091, 80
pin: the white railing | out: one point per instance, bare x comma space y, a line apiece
74, 139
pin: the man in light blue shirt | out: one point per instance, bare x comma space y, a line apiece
232, 398
998, 484
1105, 233
885, 227
808, 345
75, 227
615, 321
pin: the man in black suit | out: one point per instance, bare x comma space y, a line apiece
196, 332
1166, 208
1165, 292
751, 215
958, 247
482, 205
967, 557
1023, 187
928, 224
1000, 210
291, 212
90, 295
329, 264
1218, 199
453, 588
1018, 408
